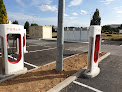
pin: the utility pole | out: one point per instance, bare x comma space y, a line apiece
60, 36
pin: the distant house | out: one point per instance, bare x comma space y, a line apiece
115, 25
120, 31
40, 31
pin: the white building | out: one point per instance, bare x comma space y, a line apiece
40, 32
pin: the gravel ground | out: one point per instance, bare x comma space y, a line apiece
45, 77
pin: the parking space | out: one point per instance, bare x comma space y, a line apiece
109, 79
41, 52
35, 47
46, 53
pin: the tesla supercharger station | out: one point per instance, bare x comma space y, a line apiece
11, 62
93, 52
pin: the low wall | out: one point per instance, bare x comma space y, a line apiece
76, 36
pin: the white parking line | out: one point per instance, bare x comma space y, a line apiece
30, 64
32, 45
37, 45
42, 50
45, 46
86, 86
24, 62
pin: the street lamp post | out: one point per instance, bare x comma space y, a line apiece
60, 36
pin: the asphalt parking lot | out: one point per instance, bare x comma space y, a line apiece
110, 77
41, 52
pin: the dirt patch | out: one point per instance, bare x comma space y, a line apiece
45, 77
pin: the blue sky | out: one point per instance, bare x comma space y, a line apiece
77, 12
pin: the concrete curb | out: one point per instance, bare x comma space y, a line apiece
103, 57
77, 41
67, 81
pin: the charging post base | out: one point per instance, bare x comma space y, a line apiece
93, 74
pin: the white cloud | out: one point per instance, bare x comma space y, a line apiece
66, 15
83, 12
118, 10
74, 13
20, 2
75, 2
32, 19
22, 18
38, 2
106, 2
72, 18
46, 1
119, 16
48, 8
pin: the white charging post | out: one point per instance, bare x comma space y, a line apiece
93, 52
10, 64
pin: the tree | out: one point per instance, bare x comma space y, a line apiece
121, 26
3, 13
106, 27
26, 26
53, 29
15, 22
34, 24
96, 20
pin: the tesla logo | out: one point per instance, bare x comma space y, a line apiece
13, 29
